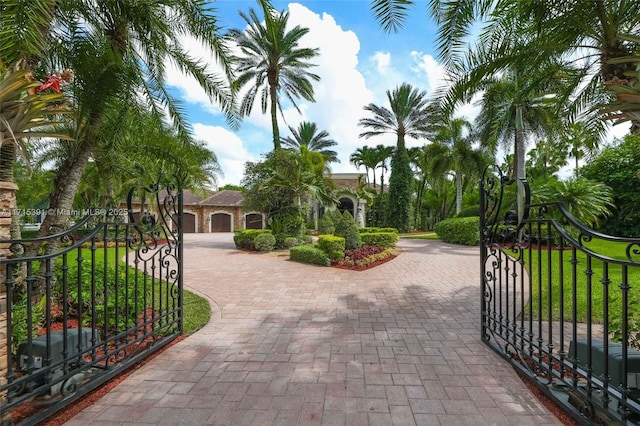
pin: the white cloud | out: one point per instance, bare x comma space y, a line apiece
342, 91
382, 61
426, 66
228, 147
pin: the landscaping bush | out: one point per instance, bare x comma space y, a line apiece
244, 238
309, 254
365, 256
115, 307
470, 211
346, 228
264, 242
325, 224
381, 239
332, 245
373, 229
290, 242
463, 230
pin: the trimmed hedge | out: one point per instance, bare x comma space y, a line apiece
373, 229
381, 239
332, 245
244, 238
459, 230
346, 227
309, 254
264, 242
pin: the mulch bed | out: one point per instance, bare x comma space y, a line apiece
364, 268
68, 412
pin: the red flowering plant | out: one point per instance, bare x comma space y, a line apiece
365, 256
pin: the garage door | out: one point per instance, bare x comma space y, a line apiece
220, 222
253, 221
188, 223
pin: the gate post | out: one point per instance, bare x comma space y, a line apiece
7, 204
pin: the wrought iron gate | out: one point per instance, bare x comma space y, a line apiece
89, 302
561, 302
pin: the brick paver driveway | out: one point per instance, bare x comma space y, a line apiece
297, 344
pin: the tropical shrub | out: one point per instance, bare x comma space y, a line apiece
113, 300
264, 242
332, 245
346, 228
325, 224
463, 230
290, 242
377, 212
244, 238
617, 167
471, 211
400, 190
381, 239
309, 253
365, 256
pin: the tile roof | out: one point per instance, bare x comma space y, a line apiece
227, 197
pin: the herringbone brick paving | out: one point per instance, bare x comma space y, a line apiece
297, 344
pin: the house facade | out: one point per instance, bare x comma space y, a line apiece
222, 211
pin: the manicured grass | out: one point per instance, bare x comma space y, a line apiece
542, 261
424, 236
197, 312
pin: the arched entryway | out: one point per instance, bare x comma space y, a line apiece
346, 204
221, 222
253, 221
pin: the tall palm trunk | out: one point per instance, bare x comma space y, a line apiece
273, 95
519, 154
458, 193
519, 149
61, 199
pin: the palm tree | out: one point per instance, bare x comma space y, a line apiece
582, 140
366, 157
272, 61
122, 53
307, 134
516, 105
382, 155
457, 155
408, 117
593, 32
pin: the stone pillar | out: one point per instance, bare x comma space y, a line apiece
7, 204
361, 213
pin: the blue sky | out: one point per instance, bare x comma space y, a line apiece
358, 62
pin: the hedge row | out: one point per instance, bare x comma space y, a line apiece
381, 239
309, 253
333, 246
463, 230
372, 229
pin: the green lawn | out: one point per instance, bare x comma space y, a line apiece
422, 236
540, 262
197, 310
